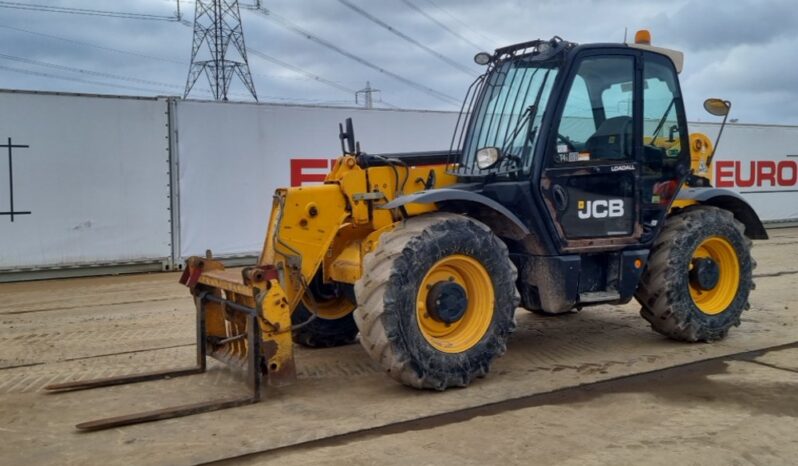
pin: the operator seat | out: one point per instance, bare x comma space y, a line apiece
612, 139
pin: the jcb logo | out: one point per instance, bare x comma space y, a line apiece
600, 209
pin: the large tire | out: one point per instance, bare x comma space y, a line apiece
672, 301
333, 324
391, 323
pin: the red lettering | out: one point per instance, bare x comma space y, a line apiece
738, 179
766, 171
298, 176
724, 174
786, 165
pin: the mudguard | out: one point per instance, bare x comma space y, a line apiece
731, 201
434, 196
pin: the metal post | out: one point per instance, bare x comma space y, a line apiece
254, 373
174, 181
202, 337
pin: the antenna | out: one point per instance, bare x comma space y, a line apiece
625, 31
217, 24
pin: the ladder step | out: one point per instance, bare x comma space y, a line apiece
599, 296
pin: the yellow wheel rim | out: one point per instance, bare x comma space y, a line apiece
719, 298
466, 332
330, 309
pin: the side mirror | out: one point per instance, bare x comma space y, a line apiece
717, 107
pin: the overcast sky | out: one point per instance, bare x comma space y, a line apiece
741, 50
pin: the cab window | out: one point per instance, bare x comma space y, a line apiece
663, 130
596, 122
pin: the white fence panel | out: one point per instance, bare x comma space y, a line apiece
761, 163
91, 181
233, 156
91, 185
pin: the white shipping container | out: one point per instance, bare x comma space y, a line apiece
90, 187
761, 163
233, 156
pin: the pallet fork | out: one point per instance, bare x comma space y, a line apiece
260, 334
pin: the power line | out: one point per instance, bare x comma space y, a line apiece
262, 55
84, 11
441, 24
111, 49
405, 37
312, 37
96, 46
467, 26
85, 71
308, 74
121, 86
85, 81
298, 70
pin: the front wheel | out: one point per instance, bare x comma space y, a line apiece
699, 275
437, 301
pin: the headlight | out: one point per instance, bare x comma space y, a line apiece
487, 157
482, 58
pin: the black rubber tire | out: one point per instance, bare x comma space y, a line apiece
664, 288
323, 333
386, 315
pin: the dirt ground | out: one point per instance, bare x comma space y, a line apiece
576, 389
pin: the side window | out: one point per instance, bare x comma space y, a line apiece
662, 130
597, 122
577, 123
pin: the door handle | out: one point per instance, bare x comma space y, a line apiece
560, 196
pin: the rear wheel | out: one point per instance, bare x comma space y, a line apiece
437, 301
332, 303
699, 276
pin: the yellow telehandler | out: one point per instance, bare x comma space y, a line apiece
571, 181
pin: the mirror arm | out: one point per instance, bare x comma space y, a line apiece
720, 131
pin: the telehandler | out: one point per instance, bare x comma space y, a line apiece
571, 181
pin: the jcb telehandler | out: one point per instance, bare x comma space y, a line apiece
571, 181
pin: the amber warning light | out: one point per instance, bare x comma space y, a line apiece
643, 37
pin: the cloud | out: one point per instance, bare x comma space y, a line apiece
737, 50
701, 24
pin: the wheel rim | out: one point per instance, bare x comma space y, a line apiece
329, 309
468, 329
716, 300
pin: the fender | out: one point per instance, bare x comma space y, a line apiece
727, 200
435, 196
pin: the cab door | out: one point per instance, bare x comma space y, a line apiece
590, 175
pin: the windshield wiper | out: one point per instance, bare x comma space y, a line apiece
522, 120
530, 135
662, 120
526, 118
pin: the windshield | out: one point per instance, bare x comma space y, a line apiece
508, 114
